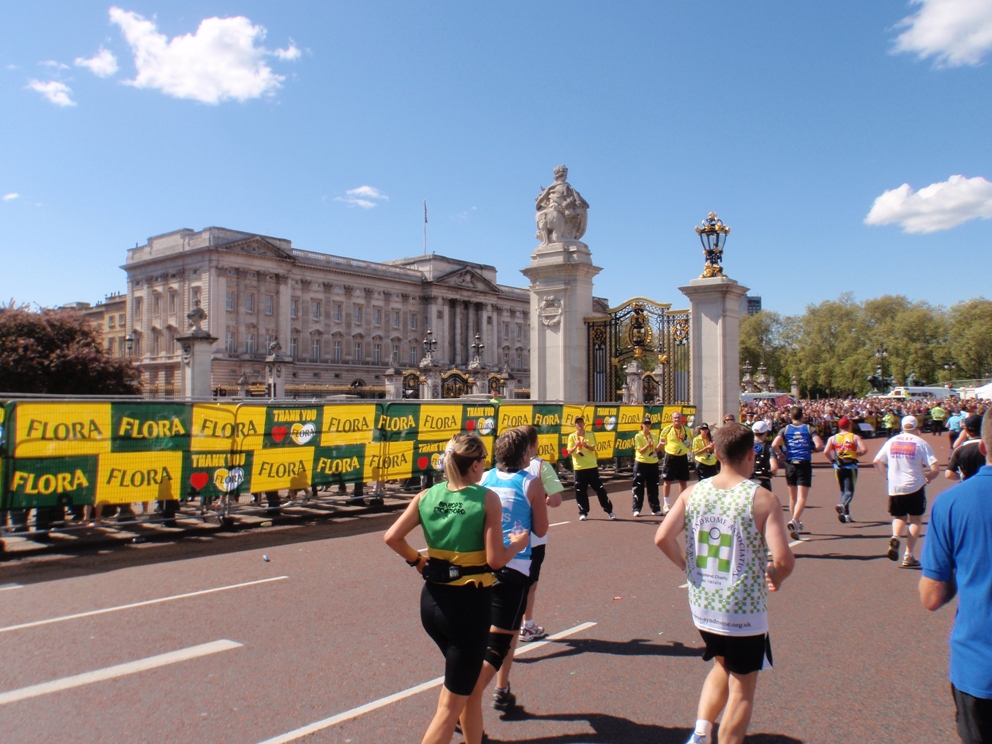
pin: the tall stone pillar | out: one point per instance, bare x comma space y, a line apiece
560, 274
714, 343
196, 356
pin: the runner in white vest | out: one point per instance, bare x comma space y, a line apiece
731, 524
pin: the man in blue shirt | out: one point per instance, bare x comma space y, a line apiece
955, 561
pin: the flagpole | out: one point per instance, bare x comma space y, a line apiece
425, 227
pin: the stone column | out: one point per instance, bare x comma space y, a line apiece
196, 357
635, 385
560, 299
714, 344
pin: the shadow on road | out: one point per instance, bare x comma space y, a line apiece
840, 557
633, 647
612, 729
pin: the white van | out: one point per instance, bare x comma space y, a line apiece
908, 392
749, 397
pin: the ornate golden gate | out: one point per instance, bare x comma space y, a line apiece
649, 332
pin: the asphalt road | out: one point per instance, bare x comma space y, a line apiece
327, 632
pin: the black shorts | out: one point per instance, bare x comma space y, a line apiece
675, 468
510, 599
799, 473
741, 654
910, 505
536, 559
457, 619
974, 717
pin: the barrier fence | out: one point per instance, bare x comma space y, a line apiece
61, 453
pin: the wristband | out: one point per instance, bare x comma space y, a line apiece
414, 563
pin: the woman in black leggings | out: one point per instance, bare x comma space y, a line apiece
462, 524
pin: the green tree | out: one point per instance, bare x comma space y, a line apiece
829, 355
970, 338
56, 352
762, 341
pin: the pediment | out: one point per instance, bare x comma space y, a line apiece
466, 278
256, 246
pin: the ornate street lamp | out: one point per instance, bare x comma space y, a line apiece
129, 343
477, 348
713, 235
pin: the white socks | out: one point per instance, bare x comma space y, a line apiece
703, 728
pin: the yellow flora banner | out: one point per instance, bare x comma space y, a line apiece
127, 477
59, 453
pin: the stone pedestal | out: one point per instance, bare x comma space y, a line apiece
276, 372
394, 384
715, 346
635, 383
560, 277
196, 364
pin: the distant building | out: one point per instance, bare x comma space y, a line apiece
750, 305
109, 317
343, 320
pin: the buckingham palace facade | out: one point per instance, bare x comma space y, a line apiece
343, 321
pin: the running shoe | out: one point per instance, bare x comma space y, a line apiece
840, 513
893, 552
583, 517
698, 739
793, 528
535, 633
612, 515
657, 514
665, 509
909, 562
636, 513
504, 700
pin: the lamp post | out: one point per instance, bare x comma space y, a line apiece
713, 235
950, 366
477, 349
129, 344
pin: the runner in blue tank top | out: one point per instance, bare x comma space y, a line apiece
799, 442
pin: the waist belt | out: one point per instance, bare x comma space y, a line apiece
444, 572
797, 462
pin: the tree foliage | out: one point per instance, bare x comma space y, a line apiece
831, 348
56, 352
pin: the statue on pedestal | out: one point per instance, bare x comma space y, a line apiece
196, 316
562, 213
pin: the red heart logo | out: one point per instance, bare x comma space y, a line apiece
423, 462
470, 424
199, 480
599, 423
564, 451
279, 433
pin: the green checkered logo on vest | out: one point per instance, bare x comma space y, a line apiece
714, 545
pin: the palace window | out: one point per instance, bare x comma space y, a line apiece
249, 303
250, 343
230, 301
377, 353
172, 303
315, 308
377, 316
294, 308
315, 347
506, 330
230, 341
396, 318
294, 347
337, 312
413, 321
269, 302
337, 351
358, 351
413, 355
110, 321
358, 314
156, 303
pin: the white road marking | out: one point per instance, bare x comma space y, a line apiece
120, 670
396, 697
684, 586
91, 613
5, 587
558, 524
795, 542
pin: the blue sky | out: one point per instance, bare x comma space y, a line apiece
788, 119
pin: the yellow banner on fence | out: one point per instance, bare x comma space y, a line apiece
62, 429
126, 477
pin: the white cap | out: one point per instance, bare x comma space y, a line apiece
761, 427
910, 422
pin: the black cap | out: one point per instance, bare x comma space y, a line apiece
973, 424
646, 420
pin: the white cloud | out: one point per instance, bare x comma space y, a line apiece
56, 92
956, 32
56, 65
939, 206
11, 196
290, 53
222, 61
365, 197
102, 64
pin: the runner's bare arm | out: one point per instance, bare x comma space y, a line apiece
395, 536
770, 522
538, 507
935, 594
667, 536
861, 446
